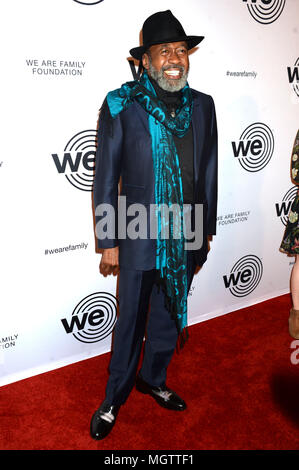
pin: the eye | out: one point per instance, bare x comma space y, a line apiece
164, 51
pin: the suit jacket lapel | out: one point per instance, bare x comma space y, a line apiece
143, 117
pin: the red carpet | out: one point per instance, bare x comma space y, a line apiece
235, 374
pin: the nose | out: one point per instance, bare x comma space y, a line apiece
174, 58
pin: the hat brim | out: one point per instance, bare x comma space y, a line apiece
192, 41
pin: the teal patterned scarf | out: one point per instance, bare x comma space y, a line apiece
171, 257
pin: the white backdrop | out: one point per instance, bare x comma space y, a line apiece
59, 59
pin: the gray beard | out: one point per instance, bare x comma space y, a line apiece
168, 84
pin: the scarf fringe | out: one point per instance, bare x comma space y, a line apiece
183, 335
182, 339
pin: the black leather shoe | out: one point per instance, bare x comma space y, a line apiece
103, 421
163, 395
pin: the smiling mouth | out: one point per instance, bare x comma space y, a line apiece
173, 73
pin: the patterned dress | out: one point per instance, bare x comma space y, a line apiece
290, 242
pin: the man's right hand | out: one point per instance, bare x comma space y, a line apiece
109, 263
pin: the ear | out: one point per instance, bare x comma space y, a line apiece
145, 61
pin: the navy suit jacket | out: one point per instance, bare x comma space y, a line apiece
127, 156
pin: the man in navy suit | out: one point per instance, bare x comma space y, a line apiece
130, 150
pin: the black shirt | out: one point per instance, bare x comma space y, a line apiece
184, 145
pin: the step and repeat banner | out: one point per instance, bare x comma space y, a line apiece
59, 59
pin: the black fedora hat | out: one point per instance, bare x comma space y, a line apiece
163, 27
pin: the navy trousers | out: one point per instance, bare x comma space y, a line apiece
141, 313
